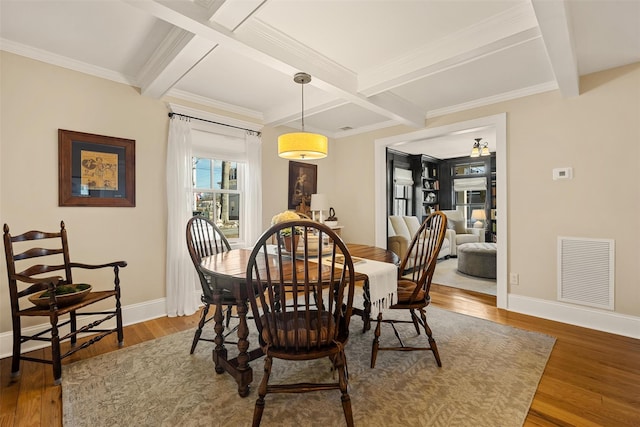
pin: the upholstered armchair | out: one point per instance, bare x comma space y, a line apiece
400, 231
459, 232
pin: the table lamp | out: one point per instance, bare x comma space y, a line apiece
319, 203
479, 215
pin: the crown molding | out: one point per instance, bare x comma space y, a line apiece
188, 96
65, 62
507, 96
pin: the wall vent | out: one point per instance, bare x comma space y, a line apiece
586, 271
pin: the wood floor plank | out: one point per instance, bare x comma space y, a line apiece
592, 378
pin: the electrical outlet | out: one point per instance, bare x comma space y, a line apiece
514, 279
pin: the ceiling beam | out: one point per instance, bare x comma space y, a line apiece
510, 28
557, 34
261, 43
178, 53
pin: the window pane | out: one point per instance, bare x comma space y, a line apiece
202, 173
469, 200
476, 168
225, 175
223, 209
469, 169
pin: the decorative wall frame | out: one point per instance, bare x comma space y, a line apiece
95, 170
303, 182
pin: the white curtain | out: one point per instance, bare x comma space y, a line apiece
253, 190
181, 277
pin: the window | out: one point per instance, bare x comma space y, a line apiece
465, 169
223, 171
217, 194
469, 194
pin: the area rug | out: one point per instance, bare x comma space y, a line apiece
488, 377
447, 274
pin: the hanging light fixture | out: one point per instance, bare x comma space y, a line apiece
479, 150
302, 145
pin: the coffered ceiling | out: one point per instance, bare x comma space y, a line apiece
374, 64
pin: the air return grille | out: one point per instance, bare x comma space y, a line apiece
586, 271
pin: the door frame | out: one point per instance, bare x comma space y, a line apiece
499, 123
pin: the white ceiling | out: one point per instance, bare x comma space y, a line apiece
374, 64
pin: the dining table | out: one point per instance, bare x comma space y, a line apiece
228, 271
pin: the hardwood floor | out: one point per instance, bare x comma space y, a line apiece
592, 378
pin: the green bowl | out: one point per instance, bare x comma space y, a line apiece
71, 294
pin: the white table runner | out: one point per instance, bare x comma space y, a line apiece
383, 280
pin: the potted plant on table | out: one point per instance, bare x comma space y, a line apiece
290, 242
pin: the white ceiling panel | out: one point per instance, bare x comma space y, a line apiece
105, 34
502, 72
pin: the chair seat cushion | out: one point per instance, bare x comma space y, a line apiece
291, 330
405, 290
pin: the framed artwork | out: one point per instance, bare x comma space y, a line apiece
95, 170
303, 182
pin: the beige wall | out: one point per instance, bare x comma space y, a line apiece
37, 100
598, 134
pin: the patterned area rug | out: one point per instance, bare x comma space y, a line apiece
489, 375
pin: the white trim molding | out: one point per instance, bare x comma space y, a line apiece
587, 317
131, 314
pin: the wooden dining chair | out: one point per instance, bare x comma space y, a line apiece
204, 238
30, 276
413, 292
316, 325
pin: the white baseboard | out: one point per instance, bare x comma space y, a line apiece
587, 317
131, 314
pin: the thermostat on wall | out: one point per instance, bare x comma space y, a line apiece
562, 173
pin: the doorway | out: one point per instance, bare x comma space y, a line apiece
499, 124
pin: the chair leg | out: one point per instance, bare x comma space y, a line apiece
262, 392
346, 400
119, 324
55, 351
432, 342
73, 325
414, 317
15, 359
376, 341
196, 336
228, 316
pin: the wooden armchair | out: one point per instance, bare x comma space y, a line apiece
26, 281
316, 324
413, 293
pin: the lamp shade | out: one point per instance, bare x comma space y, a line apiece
478, 214
319, 202
302, 146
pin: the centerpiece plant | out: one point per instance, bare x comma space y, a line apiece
286, 233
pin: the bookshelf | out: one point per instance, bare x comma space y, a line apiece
427, 185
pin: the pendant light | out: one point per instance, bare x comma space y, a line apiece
478, 150
302, 145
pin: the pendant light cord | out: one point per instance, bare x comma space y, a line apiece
302, 86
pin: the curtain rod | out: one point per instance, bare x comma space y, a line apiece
217, 123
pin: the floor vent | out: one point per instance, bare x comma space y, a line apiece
586, 271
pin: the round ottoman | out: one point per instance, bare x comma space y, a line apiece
477, 259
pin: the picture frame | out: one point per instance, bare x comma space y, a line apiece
303, 182
95, 170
